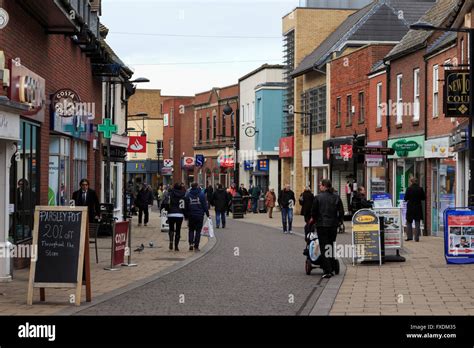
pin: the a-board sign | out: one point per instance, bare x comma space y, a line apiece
60, 238
119, 242
393, 228
459, 235
366, 236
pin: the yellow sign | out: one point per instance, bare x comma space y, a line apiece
365, 219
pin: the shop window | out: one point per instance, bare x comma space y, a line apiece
80, 162
59, 171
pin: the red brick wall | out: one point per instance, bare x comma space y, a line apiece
62, 65
375, 133
186, 130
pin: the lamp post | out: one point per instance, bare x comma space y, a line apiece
310, 170
470, 31
228, 111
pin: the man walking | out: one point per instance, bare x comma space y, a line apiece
327, 213
245, 197
144, 199
255, 193
86, 197
414, 196
220, 200
196, 207
286, 200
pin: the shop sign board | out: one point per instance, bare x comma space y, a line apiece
382, 200
409, 147
457, 93
459, 235
393, 229
366, 237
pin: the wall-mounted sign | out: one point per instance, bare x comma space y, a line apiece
437, 148
4, 18
9, 126
408, 147
456, 93
188, 162
199, 160
346, 151
107, 128
226, 162
263, 165
137, 144
287, 148
249, 165
28, 88
65, 102
117, 153
168, 163
165, 120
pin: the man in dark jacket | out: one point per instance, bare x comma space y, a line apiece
196, 207
144, 199
360, 200
245, 197
306, 202
286, 201
176, 215
255, 193
220, 200
414, 196
327, 213
209, 191
86, 197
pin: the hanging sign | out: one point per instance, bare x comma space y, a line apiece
137, 144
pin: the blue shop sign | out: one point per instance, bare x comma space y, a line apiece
249, 165
263, 165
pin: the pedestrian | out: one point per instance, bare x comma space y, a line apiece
159, 195
86, 197
360, 200
220, 200
414, 196
245, 197
165, 202
286, 201
327, 213
306, 202
144, 199
177, 209
196, 207
255, 194
209, 191
270, 199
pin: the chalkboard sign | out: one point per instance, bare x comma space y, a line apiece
60, 235
366, 236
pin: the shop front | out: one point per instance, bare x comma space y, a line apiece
407, 162
376, 171
319, 169
459, 145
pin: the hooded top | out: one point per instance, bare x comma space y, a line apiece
196, 205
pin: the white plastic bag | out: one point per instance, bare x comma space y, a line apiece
208, 229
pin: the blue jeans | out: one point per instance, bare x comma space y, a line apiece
287, 214
254, 204
220, 215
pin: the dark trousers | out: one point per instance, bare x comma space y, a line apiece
327, 237
417, 230
175, 229
220, 216
141, 211
195, 227
254, 204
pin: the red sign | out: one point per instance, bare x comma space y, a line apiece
346, 151
188, 162
287, 148
137, 144
226, 162
120, 242
28, 88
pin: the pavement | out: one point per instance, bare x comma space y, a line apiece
423, 285
151, 263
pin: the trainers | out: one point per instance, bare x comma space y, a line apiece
197, 249
285, 232
191, 248
217, 226
327, 275
291, 232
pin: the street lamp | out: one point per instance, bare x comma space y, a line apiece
144, 115
310, 142
470, 31
228, 111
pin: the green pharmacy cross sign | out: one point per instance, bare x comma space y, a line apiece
402, 147
107, 128
75, 131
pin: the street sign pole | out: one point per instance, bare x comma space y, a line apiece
471, 111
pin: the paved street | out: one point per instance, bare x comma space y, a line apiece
265, 278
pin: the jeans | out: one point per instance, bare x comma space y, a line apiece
287, 214
195, 227
327, 237
254, 204
220, 215
142, 210
175, 229
410, 230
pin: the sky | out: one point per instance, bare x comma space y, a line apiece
185, 47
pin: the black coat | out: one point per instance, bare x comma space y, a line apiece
327, 210
220, 199
144, 198
414, 196
308, 199
286, 199
92, 202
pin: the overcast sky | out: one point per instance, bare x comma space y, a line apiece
185, 47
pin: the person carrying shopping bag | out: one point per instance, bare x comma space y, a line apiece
196, 207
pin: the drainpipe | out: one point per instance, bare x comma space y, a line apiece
387, 166
426, 136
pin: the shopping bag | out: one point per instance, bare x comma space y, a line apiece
208, 229
211, 228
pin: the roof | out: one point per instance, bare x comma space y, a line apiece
444, 40
115, 58
377, 67
264, 66
380, 21
415, 39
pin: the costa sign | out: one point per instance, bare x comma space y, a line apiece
26, 87
64, 102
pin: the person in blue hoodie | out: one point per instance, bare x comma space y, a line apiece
176, 214
196, 207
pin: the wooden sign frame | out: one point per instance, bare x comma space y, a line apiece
83, 266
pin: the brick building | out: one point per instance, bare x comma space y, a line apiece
174, 123
216, 135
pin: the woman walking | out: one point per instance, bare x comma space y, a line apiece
176, 215
270, 199
306, 202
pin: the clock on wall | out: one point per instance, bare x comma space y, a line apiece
250, 131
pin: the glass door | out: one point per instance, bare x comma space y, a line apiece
434, 199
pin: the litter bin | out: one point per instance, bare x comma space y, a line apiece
261, 205
237, 207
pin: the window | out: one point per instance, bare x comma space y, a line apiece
338, 111
399, 99
250, 112
171, 148
200, 128
161, 108
379, 105
208, 127
171, 117
361, 107
80, 161
349, 111
289, 102
435, 91
159, 149
224, 131
462, 51
59, 173
214, 124
314, 101
416, 95
254, 110
232, 125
